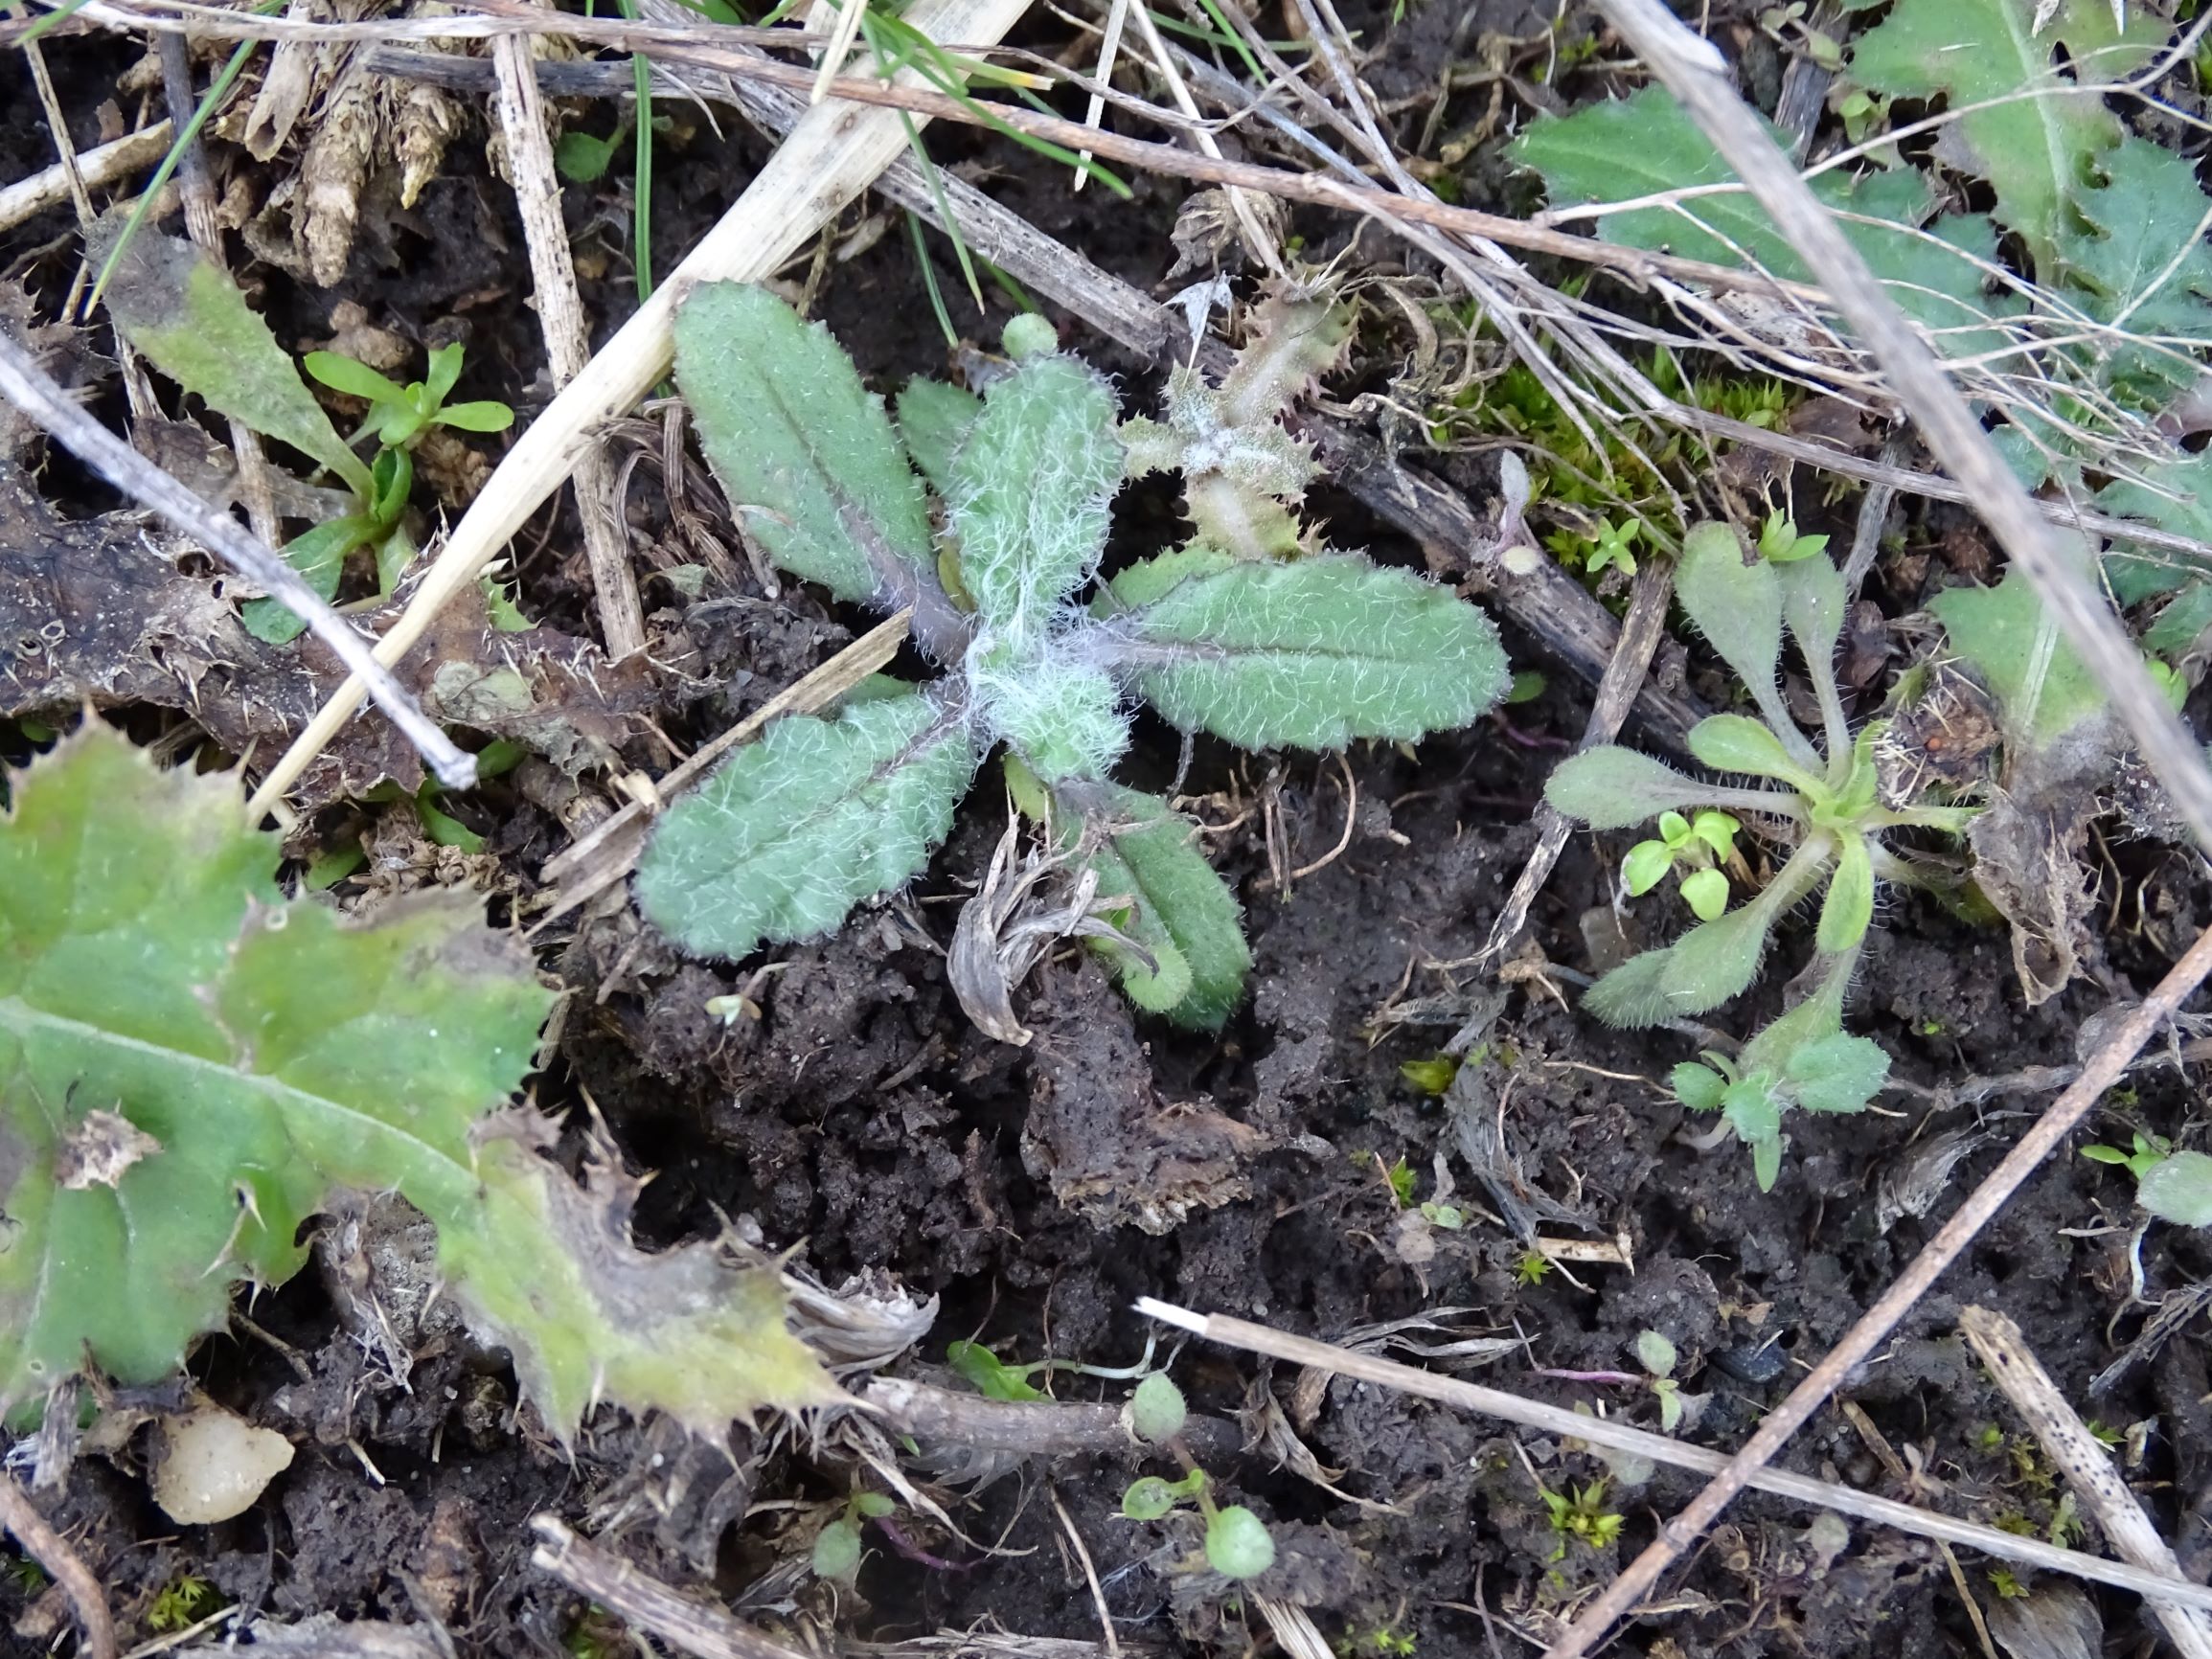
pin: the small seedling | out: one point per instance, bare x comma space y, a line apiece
1610, 549
1579, 1516
183, 1602
2173, 1185
398, 416
1825, 805
1780, 543
1656, 1355
2006, 1584
837, 1546
1237, 1545
1400, 1178
192, 322
1690, 844
1531, 1268
1430, 1076
994, 1378
1244, 632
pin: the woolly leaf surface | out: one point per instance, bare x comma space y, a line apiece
794, 829
800, 446
188, 1063
1064, 719
1313, 653
1838, 1072
1030, 489
191, 322
1184, 913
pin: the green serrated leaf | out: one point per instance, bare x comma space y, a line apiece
2137, 247
2174, 494
188, 1063
1314, 653
1837, 1073
1185, 915
801, 447
2033, 142
933, 420
794, 829
191, 322
2179, 1189
1030, 492
1995, 629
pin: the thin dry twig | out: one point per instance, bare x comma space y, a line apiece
1097, 1601
1642, 629
98, 167
637, 1598
521, 114
2085, 1462
1615, 1436
19, 1517
2129, 1033
27, 386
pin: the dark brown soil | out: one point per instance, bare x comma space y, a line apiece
1038, 1193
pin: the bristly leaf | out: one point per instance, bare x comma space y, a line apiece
1184, 913
192, 323
1610, 788
2020, 125
188, 1063
1737, 606
801, 447
1837, 1073
1063, 719
1313, 653
1711, 962
933, 419
796, 828
1242, 470
1848, 910
1739, 743
1812, 605
1031, 488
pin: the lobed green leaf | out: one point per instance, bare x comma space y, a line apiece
188, 1063
1313, 653
794, 829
